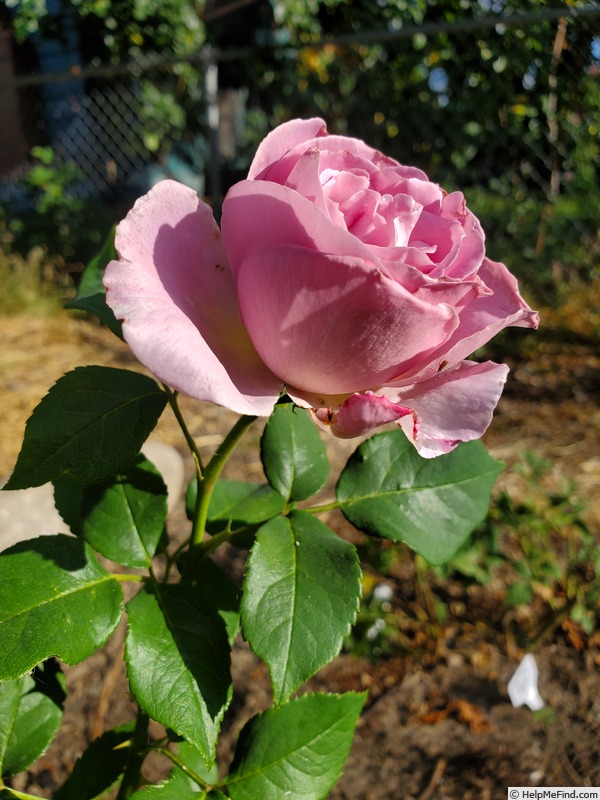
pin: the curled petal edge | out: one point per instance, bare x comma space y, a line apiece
360, 413
436, 415
455, 406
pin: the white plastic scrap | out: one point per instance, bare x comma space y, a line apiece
523, 686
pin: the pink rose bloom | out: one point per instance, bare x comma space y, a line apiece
340, 275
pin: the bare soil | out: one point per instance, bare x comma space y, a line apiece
438, 724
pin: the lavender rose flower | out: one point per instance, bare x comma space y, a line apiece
349, 279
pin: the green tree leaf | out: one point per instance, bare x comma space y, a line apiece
91, 294
37, 722
297, 750
97, 769
124, 518
238, 503
300, 597
292, 453
30, 712
387, 489
178, 785
55, 600
90, 425
178, 662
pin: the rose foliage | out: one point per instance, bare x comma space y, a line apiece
349, 279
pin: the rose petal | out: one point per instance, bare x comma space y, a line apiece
304, 178
466, 260
457, 294
261, 214
359, 414
173, 288
417, 260
359, 215
423, 191
281, 140
455, 406
376, 163
446, 234
332, 324
495, 306
490, 313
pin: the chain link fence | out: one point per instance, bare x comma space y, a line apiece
97, 130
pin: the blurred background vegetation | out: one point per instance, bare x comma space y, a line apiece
498, 98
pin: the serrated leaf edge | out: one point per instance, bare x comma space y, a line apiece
298, 700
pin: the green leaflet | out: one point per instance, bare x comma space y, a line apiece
90, 425
55, 600
300, 597
297, 750
178, 662
292, 453
387, 489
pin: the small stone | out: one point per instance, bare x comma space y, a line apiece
29, 513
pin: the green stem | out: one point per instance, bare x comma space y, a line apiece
185, 430
210, 545
131, 777
172, 559
206, 485
128, 576
183, 767
321, 509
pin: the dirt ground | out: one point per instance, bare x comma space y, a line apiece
438, 724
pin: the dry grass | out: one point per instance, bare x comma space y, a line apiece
578, 312
38, 350
33, 284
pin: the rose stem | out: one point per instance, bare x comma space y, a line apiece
188, 437
206, 484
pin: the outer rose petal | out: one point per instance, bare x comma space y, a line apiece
359, 414
331, 325
488, 314
455, 406
499, 307
436, 415
174, 291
